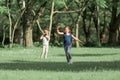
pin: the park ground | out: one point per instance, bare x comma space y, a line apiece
88, 64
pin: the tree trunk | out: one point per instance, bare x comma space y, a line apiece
103, 32
27, 35
21, 36
86, 30
77, 25
98, 26
19, 33
27, 24
10, 23
3, 40
37, 21
119, 35
51, 17
77, 31
114, 24
27, 29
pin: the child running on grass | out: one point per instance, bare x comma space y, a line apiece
45, 37
67, 37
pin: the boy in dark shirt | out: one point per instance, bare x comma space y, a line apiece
67, 36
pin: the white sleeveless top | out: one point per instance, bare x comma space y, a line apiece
45, 41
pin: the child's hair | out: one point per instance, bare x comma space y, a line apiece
46, 29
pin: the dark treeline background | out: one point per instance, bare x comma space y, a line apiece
96, 22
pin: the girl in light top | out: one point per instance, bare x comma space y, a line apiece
45, 37
67, 37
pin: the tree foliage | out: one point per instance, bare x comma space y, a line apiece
87, 18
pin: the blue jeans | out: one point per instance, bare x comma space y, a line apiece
67, 52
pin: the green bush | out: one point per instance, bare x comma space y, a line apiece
91, 44
37, 44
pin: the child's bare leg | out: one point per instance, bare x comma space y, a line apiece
68, 55
43, 52
46, 51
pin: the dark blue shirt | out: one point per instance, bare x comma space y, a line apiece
67, 39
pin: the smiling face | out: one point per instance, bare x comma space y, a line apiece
67, 30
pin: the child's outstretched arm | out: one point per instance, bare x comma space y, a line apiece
58, 31
41, 37
75, 38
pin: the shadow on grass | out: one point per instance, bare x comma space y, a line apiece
87, 55
60, 66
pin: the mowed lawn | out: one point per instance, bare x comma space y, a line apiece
88, 64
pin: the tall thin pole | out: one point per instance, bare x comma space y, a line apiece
51, 17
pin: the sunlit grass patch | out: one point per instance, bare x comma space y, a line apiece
88, 64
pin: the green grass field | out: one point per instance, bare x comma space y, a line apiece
88, 64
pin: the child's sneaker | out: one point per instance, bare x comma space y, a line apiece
70, 62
